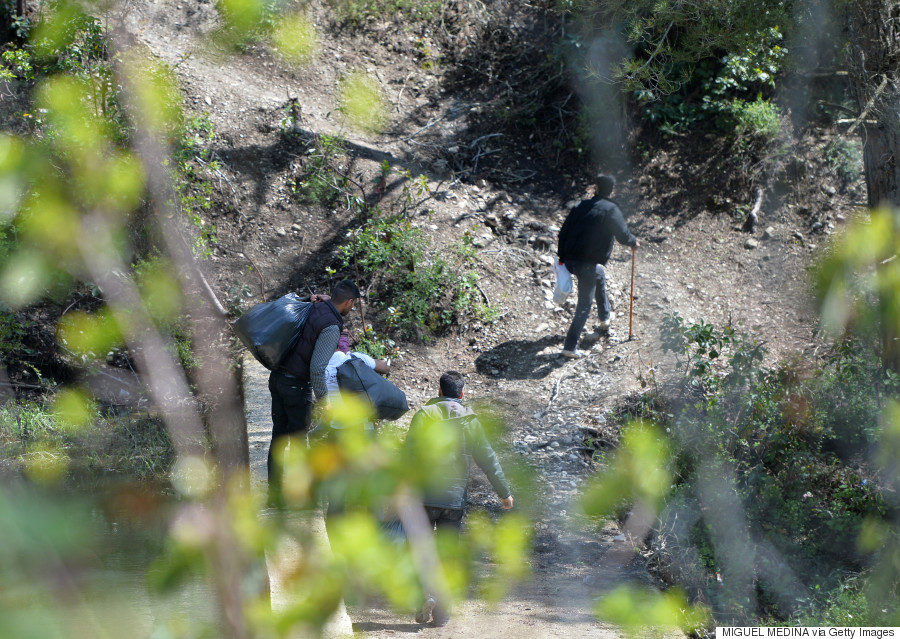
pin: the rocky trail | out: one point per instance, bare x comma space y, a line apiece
692, 261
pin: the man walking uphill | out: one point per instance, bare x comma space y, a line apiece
446, 424
585, 243
301, 378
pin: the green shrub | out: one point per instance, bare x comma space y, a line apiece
12, 332
195, 166
376, 345
844, 158
422, 290
756, 123
725, 82
81, 51
32, 435
319, 181
16, 65
767, 434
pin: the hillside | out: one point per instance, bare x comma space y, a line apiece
694, 259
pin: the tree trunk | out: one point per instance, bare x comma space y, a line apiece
874, 68
882, 169
20, 8
874, 63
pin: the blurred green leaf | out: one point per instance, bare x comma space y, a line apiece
363, 102
73, 409
295, 38
56, 33
155, 92
24, 278
639, 471
639, 611
89, 334
160, 290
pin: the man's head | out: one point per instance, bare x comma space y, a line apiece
452, 384
605, 185
344, 296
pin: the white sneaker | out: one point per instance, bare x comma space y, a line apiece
604, 325
576, 354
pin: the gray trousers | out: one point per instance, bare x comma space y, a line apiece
591, 286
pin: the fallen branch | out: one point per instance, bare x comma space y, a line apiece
753, 216
871, 103
483, 294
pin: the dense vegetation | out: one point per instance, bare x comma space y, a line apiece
771, 490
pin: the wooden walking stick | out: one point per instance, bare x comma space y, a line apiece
631, 309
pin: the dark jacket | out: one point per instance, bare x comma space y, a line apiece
322, 314
590, 230
448, 477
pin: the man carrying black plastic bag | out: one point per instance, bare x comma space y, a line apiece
300, 380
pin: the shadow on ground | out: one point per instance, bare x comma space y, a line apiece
522, 359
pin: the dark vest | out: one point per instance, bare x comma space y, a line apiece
322, 314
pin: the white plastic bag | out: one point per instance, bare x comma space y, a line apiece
563, 283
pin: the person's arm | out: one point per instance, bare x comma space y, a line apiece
326, 344
620, 229
382, 367
487, 461
563, 238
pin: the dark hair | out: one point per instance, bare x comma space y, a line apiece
452, 384
605, 185
343, 291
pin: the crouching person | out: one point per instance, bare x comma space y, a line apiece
444, 437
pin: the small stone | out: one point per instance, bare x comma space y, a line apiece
751, 243
769, 233
280, 231
554, 444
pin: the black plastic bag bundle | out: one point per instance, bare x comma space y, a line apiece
271, 329
355, 377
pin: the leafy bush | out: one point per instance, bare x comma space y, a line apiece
764, 438
756, 123
80, 50
195, 167
39, 440
12, 332
422, 291
319, 181
844, 158
17, 64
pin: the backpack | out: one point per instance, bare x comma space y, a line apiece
355, 377
270, 330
